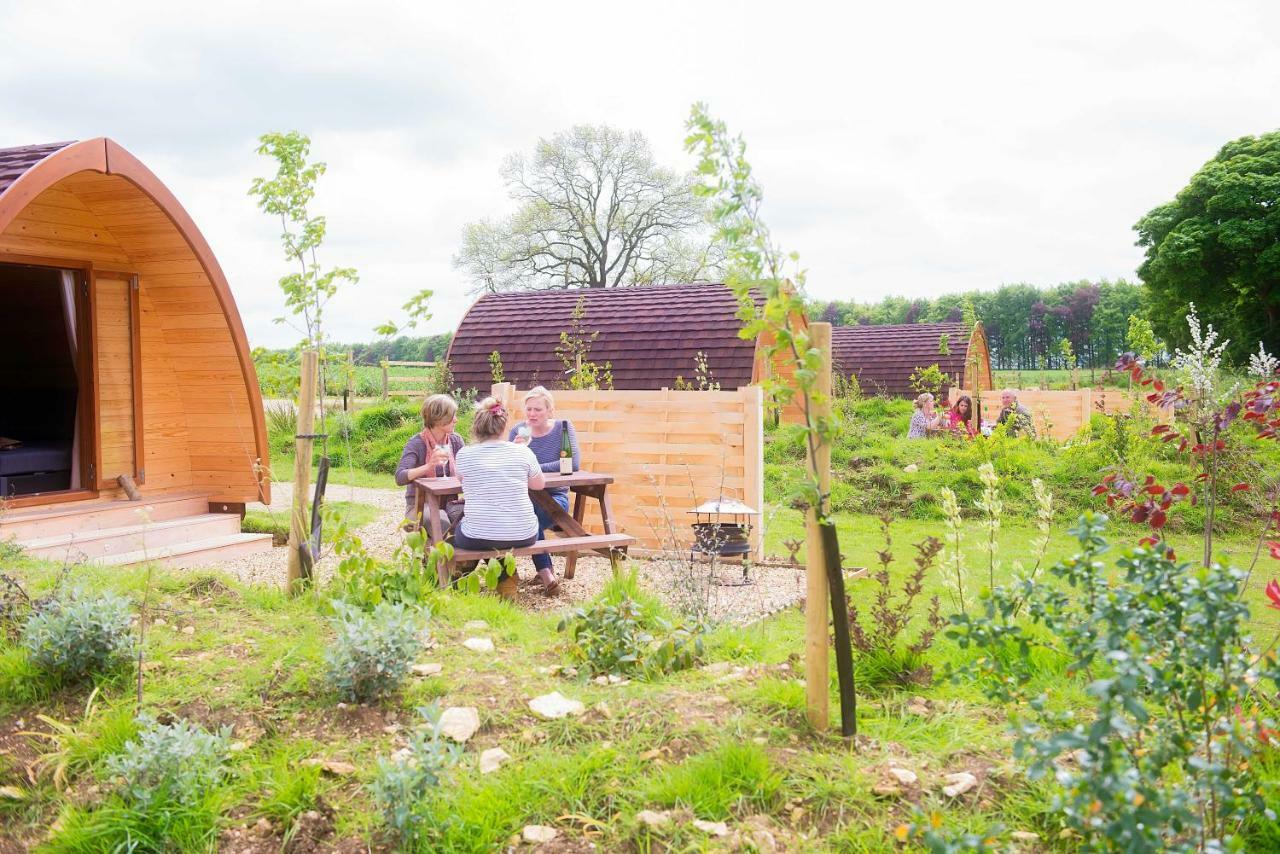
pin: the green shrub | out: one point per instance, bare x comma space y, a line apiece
170, 763
383, 453
1163, 751
282, 427
377, 420
364, 581
372, 652
622, 635
78, 634
888, 654
401, 783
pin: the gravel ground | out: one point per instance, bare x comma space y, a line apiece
673, 580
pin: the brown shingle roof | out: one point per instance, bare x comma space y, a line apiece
883, 357
16, 161
649, 334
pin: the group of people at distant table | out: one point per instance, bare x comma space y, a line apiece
496, 472
961, 420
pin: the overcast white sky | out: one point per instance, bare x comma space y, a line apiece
912, 148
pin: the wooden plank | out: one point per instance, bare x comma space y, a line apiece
55, 197
90, 234
70, 250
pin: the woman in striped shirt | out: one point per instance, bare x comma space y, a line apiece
496, 477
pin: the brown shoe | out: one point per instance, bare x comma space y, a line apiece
507, 588
550, 584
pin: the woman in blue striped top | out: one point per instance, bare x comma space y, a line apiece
496, 477
543, 436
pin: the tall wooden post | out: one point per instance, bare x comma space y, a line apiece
816, 608
386, 381
299, 556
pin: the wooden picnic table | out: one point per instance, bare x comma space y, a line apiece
433, 493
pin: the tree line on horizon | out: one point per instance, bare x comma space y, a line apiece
1025, 324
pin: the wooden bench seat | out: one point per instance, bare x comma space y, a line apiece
606, 544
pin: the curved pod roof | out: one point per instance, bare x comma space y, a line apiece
94, 204
649, 335
882, 358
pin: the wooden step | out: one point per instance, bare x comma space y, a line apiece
51, 520
199, 553
148, 536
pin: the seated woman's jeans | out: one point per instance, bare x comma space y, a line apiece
543, 561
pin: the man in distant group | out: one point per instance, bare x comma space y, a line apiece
1015, 415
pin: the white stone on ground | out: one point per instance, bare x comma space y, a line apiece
492, 759
536, 834
478, 644
459, 722
649, 818
714, 828
960, 783
903, 775
427, 669
555, 705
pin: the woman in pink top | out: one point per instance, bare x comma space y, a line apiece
960, 417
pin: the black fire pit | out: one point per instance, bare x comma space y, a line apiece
722, 529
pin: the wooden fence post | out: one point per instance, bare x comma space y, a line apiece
505, 393
299, 555
753, 461
386, 383
817, 603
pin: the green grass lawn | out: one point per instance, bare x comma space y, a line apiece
339, 475
719, 744
1059, 379
351, 513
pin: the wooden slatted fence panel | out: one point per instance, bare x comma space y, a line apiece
669, 452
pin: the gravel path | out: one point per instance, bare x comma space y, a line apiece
672, 579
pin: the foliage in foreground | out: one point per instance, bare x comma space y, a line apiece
371, 654
1161, 759
167, 795
176, 762
77, 634
401, 782
617, 634
888, 654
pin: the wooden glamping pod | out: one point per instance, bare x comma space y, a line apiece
647, 335
881, 359
124, 366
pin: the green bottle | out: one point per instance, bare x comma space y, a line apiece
566, 449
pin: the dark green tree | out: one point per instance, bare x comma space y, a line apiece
1217, 244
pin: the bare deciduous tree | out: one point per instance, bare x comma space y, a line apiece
594, 210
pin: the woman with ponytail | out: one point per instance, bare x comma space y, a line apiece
496, 478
